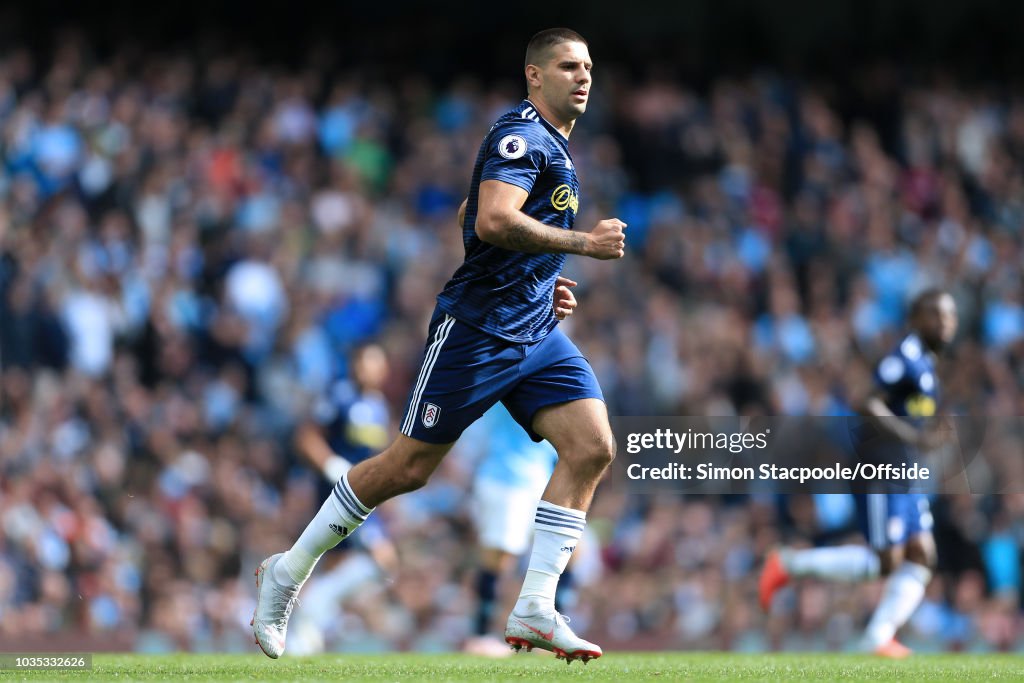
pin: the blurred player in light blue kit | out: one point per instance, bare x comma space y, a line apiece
509, 480
897, 525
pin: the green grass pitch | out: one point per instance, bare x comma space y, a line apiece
614, 667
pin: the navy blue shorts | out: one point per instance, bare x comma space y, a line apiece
466, 371
889, 519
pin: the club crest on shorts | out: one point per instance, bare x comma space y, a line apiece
430, 414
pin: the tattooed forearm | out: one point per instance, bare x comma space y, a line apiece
536, 238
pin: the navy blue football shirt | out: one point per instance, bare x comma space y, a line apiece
506, 293
355, 423
909, 387
908, 380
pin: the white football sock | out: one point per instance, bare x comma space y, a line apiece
556, 530
339, 516
841, 563
903, 592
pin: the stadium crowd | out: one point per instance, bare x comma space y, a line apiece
191, 245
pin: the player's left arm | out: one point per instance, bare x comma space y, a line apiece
564, 300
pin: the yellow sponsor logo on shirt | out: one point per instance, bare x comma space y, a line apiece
920, 405
564, 198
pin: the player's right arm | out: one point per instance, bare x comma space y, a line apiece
936, 433
888, 421
893, 378
501, 222
313, 447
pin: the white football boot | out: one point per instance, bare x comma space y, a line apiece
549, 632
274, 605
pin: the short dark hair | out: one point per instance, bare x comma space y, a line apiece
542, 42
924, 298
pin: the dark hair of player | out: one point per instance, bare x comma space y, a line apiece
924, 298
540, 45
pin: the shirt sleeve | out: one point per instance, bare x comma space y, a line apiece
333, 403
516, 154
891, 372
324, 412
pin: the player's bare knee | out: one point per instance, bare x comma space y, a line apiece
921, 550
889, 559
407, 481
414, 474
410, 468
604, 451
924, 559
592, 454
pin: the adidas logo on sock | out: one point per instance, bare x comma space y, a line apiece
568, 548
340, 530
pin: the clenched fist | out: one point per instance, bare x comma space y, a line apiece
607, 240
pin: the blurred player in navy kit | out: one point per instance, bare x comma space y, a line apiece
349, 423
897, 525
494, 337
